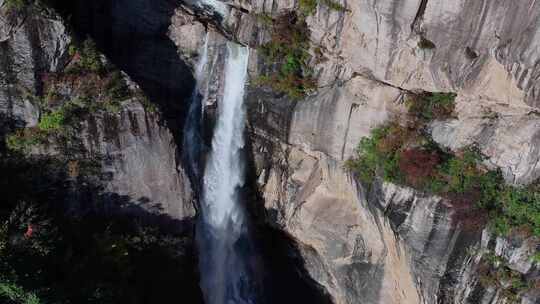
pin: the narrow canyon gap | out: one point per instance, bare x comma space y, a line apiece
225, 250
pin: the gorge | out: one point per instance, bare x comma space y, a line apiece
222, 232
283, 151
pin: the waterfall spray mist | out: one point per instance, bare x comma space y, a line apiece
221, 232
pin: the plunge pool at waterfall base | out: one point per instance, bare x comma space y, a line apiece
284, 277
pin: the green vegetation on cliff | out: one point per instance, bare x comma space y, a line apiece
394, 148
16, 294
14, 7
88, 85
86, 58
23, 139
494, 271
15, 4
308, 7
287, 55
63, 239
52, 121
406, 155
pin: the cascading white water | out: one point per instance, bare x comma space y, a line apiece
224, 173
221, 233
218, 6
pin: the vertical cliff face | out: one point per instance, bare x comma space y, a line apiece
107, 162
141, 160
392, 244
387, 244
29, 44
138, 151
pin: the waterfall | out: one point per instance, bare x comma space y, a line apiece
223, 172
192, 129
224, 249
218, 6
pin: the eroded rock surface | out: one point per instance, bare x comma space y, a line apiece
138, 152
394, 245
383, 245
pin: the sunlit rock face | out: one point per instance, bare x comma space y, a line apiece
392, 244
387, 245
372, 57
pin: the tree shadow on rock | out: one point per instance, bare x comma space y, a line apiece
67, 241
286, 279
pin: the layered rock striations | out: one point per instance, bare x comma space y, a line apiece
395, 245
138, 151
380, 244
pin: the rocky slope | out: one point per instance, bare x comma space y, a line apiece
388, 244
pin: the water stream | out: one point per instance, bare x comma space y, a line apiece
224, 247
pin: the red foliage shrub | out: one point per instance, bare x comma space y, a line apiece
417, 165
29, 231
465, 211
